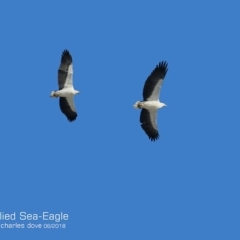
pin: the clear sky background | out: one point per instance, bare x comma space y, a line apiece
102, 170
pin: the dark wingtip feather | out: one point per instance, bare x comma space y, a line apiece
66, 110
72, 118
157, 74
152, 134
162, 69
66, 56
153, 139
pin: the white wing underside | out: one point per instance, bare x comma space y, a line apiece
69, 79
70, 100
153, 117
156, 92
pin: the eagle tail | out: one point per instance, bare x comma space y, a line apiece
52, 94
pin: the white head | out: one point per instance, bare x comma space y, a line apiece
76, 92
163, 105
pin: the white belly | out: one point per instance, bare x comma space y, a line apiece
65, 92
152, 105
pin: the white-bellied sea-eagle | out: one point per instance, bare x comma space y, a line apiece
66, 90
151, 103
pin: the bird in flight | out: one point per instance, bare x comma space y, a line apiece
66, 91
150, 104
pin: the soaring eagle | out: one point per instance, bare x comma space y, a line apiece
66, 90
151, 103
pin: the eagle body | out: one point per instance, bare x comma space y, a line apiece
150, 104
66, 91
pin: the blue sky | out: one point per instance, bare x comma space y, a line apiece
102, 170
